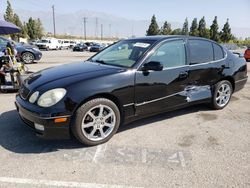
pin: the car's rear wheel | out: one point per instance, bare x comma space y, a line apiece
28, 57
96, 121
222, 94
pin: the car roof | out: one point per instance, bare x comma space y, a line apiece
164, 37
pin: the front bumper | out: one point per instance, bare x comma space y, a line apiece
38, 56
51, 130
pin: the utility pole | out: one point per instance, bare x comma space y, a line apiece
110, 31
84, 22
132, 31
54, 22
96, 28
101, 31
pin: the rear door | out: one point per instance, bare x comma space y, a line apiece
159, 90
207, 63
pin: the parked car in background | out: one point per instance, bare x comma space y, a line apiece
33, 42
64, 44
89, 44
80, 47
48, 44
72, 44
96, 48
131, 79
247, 54
25, 52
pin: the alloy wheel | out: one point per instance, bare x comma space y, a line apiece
98, 123
28, 57
223, 95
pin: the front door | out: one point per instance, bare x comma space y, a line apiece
159, 90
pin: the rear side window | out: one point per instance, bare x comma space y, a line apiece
218, 52
201, 51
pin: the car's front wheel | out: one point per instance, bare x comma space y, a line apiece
222, 94
96, 121
28, 57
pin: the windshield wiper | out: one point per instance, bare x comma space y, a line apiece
100, 61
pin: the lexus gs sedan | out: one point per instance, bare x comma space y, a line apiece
130, 79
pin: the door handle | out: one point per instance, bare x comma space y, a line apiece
183, 74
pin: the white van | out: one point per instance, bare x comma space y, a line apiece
65, 44
48, 44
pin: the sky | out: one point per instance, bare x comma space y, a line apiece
238, 11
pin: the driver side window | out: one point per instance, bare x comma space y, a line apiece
170, 54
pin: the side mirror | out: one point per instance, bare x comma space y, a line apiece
152, 65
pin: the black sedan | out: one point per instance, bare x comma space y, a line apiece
25, 53
96, 48
131, 79
80, 48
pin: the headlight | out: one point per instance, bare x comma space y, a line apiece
51, 97
34, 97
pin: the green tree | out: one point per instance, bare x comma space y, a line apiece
202, 27
177, 31
185, 27
9, 14
31, 28
34, 28
166, 28
39, 31
214, 34
23, 33
153, 27
207, 33
194, 28
226, 32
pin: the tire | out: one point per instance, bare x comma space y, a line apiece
221, 95
28, 57
91, 127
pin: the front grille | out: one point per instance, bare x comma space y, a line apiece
24, 92
41, 46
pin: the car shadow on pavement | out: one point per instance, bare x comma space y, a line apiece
16, 137
164, 116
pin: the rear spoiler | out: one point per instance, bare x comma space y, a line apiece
240, 55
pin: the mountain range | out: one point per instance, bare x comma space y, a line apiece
72, 23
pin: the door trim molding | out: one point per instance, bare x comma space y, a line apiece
158, 99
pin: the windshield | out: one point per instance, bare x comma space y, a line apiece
44, 41
4, 41
124, 53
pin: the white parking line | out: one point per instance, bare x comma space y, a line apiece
58, 183
100, 151
182, 159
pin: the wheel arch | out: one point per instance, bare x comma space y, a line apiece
231, 80
109, 96
28, 52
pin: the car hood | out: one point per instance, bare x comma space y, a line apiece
25, 46
73, 72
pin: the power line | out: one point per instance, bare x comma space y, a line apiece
54, 22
